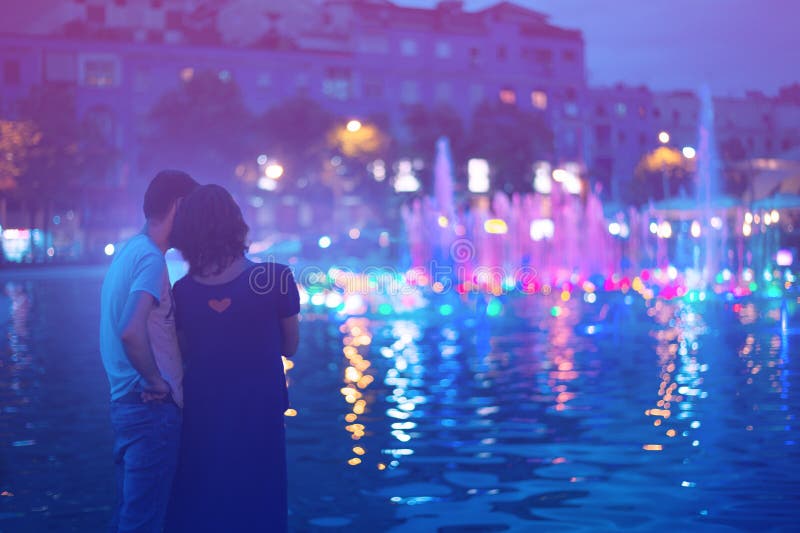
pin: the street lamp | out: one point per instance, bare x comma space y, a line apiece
273, 171
478, 172
353, 126
663, 138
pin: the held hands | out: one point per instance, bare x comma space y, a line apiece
154, 389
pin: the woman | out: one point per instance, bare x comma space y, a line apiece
235, 319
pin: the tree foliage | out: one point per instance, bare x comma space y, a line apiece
295, 132
511, 139
661, 173
202, 127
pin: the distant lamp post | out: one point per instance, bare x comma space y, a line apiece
689, 152
353, 126
267, 184
569, 180
406, 181
663, 137
273, 171
478, 171
495, 226
542, 182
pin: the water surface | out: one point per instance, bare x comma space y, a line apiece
550, 416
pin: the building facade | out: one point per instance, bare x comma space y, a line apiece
623, 124
358, 58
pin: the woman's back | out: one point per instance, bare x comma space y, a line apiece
235, 395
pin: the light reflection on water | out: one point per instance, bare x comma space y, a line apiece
555, 415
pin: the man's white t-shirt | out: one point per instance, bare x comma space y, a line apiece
139, 266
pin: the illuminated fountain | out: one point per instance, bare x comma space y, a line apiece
556, 235
559, 238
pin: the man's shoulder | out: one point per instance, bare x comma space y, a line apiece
140, 246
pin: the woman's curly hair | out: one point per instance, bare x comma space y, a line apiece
209, 230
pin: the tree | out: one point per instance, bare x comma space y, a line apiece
660, 174
48, 152
511, 139
17, 138
52, 165
202, 127
425, 126
736, 178
295, 132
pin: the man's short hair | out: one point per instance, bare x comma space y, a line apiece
164, 190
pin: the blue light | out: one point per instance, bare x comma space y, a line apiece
324, 242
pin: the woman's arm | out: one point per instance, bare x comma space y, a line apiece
290, 334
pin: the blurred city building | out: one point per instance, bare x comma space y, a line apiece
356, 57
373, 58
624, 123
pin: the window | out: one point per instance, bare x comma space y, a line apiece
336, 84
621, 109
602, 134
502, 53
174, 20
676, 116
656, 112
570, 138
99, 71
508, 96
443, 50
408, 47
409, 92
621, 137
141, 80
539, 100
569, 55
443, 92
373, 89
96, 14
600, 110
543, 56
474, 56
11, 72
571, 109
570, 93
187, 74
642, 139
476, 94
642, 111
264, 80
374, 44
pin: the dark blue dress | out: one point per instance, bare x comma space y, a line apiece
232, 468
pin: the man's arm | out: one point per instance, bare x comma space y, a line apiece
136, 342
290, 334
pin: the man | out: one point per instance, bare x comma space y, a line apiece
141, 357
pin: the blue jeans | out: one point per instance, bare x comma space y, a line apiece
146, 440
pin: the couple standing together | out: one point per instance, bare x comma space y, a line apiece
197, 384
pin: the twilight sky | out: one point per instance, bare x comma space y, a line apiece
734, 45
